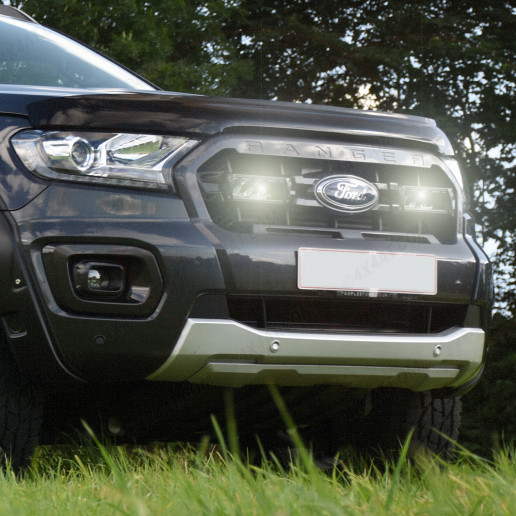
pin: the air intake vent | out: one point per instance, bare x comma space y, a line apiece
334, 315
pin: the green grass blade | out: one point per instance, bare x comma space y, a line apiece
402, 459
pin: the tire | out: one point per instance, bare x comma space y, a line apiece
435, 422
326, 418
20, 413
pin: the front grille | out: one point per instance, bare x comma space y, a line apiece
246, 192
335, 315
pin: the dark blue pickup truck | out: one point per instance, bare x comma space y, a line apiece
159, 250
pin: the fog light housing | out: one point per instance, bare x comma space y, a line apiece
99, 279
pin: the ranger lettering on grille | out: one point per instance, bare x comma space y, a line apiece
337, 152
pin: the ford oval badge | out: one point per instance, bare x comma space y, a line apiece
346, 193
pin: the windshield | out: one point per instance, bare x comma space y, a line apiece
33, 55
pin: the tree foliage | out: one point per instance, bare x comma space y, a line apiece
177, 44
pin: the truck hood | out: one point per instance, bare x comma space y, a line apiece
202, 116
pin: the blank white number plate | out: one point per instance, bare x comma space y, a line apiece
367, 271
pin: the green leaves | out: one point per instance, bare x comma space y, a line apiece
176, 44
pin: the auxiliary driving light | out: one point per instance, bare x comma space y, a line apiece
258, 188
428, 199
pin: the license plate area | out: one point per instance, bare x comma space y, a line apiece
367, 271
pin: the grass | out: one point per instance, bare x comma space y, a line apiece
93, 479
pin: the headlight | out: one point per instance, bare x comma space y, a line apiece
120, 159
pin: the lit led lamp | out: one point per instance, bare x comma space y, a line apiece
121, 159
428, 199
258, 188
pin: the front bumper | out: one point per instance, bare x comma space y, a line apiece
230, 354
